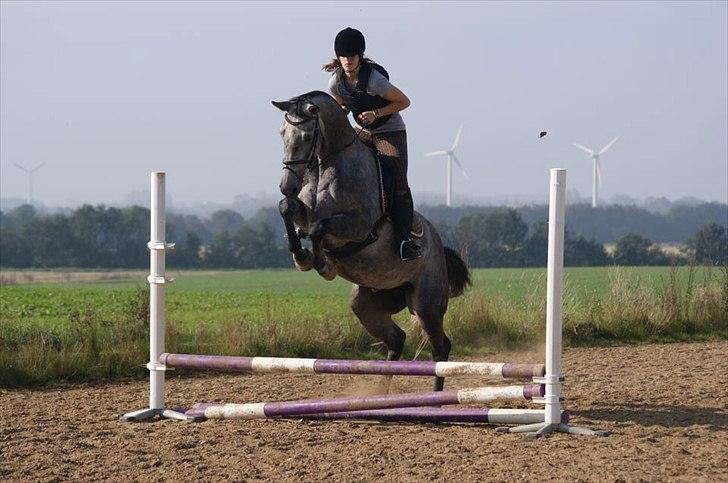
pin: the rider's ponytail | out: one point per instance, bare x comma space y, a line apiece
335, 64
331, 66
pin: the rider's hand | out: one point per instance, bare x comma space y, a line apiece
367, 117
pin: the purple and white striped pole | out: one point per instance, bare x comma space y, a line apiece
503, 370
421, 415
444, 415
357, 403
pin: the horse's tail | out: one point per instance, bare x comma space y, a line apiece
458, 275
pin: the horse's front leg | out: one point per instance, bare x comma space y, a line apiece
320, 263
293, 211
343, 226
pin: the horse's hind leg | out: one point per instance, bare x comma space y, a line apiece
428, 302
374, 310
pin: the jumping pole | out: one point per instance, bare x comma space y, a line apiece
265, 365
356, 403
420, 414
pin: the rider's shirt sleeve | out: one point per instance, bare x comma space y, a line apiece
378, 84
333, 88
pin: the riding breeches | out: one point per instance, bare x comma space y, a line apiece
392, 149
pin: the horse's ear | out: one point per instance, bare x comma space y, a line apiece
284, 106
311, 109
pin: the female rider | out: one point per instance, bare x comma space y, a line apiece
363, 87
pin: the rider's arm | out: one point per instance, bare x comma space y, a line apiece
398, 101
334, 91
340, 100
379, 85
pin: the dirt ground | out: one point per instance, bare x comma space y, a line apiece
667, 406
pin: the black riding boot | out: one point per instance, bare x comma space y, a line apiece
402, 215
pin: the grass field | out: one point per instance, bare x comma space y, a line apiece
93, 324
209, 297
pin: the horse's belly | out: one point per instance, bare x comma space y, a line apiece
376, 281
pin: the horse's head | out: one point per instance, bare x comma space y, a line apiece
300, 132
310, 131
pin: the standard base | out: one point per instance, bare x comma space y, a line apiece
542, 429
144, 414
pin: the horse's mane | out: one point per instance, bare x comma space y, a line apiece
312, 94
308, 97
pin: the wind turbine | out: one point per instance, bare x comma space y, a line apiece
29, 172
450, 158
597, 173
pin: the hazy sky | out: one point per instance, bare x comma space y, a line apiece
105, 92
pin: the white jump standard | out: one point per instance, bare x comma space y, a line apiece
157, 280
554, 286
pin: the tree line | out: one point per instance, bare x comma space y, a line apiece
608, 223
108, 237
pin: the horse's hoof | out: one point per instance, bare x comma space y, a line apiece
304, 262
328, 272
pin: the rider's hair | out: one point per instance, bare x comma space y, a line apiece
335, 64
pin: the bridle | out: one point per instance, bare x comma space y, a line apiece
311, 160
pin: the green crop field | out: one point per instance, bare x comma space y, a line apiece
97, 328
206, 297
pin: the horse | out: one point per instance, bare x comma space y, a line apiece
331, 182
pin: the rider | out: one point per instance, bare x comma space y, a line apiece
360, 85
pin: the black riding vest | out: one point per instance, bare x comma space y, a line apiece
362, 100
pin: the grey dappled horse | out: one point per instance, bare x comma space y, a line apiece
331, 185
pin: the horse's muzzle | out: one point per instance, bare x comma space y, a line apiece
290, 184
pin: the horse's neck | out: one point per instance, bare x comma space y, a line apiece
348, 177
352, 172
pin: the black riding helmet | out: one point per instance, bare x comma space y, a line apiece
349, 42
